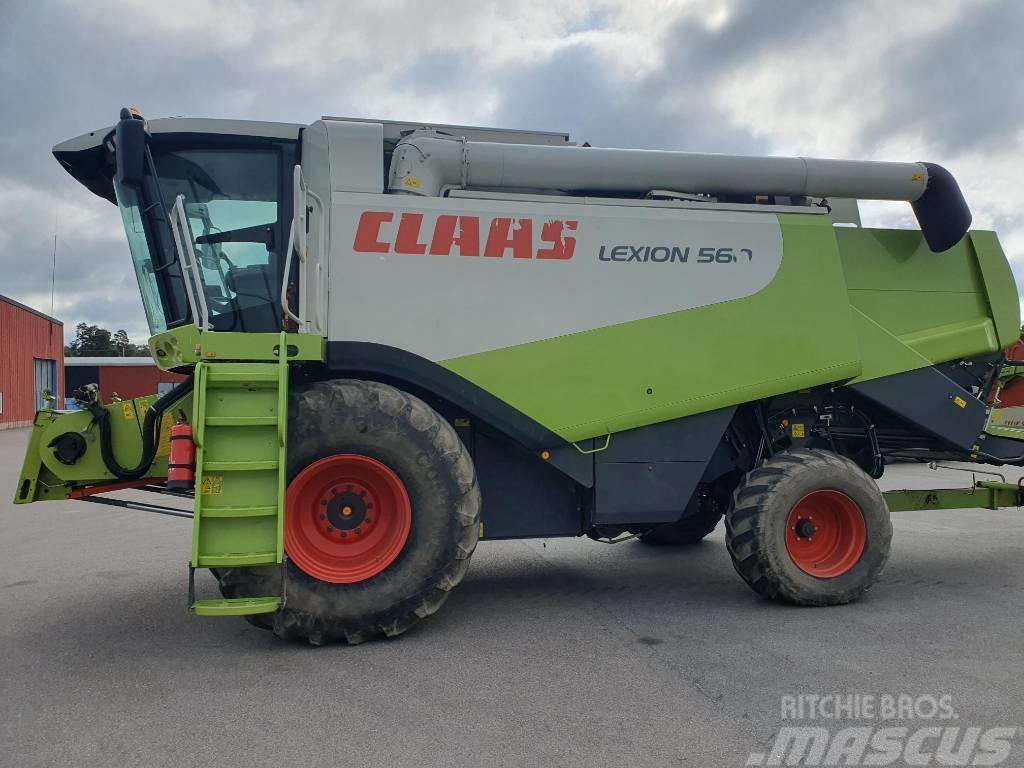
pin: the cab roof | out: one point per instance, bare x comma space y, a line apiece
90, 160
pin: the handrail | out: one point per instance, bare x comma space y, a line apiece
173, 219
296, 241
194, 287
287, 273
321, 302
298, 244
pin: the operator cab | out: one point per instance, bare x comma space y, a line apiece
206, 212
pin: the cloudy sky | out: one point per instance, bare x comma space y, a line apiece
930, 80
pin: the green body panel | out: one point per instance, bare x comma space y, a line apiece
799, 329
44, 478
847, 305
982, 495
926, 307
888, 353
1000, 286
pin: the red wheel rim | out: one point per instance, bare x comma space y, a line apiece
347, 518
826, 534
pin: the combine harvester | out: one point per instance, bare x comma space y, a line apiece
403, 337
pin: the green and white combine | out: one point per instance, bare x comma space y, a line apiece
402, 337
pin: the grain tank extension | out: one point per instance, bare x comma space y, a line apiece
404, 337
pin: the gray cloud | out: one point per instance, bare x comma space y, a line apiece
962, 89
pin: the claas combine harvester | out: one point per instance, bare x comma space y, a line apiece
400, 338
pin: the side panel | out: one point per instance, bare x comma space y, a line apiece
796, 333
599, 340
648, 475
916, 307
644, 476
1000, 286
522, 496
470, 276
931, 400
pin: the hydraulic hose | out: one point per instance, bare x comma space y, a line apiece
101, 418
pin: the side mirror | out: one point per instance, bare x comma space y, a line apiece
130, 141
299, 211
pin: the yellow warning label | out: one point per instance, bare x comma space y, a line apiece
917, 177
126, 408
143, 407
413, 182
462, 422
959, 402
798, 430
163, 446
213, 485
481, 530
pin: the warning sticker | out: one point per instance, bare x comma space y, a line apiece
213, 485
959, 402
163, 446
798, 430
126, 408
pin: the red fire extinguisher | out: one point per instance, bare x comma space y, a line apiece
181, 463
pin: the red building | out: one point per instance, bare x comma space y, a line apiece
31, 362
125, 377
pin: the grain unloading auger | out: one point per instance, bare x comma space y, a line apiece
403, 337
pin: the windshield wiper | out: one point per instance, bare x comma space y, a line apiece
261, 233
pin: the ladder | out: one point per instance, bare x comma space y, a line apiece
239, 424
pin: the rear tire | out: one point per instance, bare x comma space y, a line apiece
808, 527
395, 430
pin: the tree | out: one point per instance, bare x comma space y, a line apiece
94, 341
122, 344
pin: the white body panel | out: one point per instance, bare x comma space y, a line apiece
562, 268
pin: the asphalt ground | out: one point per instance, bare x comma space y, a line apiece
558, 652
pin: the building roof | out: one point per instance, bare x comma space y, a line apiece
136, 362
29, 309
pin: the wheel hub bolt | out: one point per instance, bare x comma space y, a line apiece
805, 529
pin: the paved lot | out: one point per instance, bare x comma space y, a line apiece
550, 653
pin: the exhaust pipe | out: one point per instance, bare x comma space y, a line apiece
425, 163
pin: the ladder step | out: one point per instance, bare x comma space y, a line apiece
268, 511
235, 466
239, 606
241, 421
238, 559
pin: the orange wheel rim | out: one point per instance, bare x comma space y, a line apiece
826, 534
347, 517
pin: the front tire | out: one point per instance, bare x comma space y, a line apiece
383, 468
808, 527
